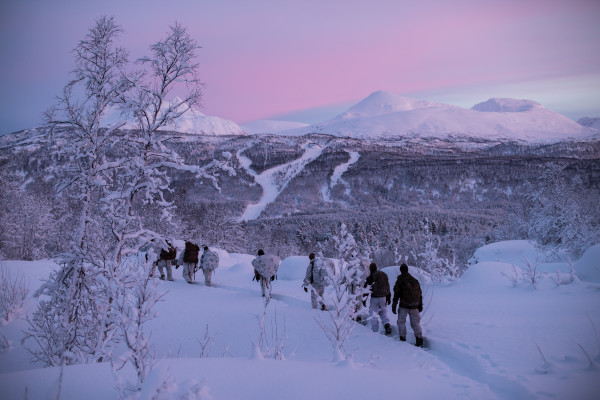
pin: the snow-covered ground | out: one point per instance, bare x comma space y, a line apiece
488, 339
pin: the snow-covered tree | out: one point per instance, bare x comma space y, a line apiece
345, 294
144, 178
561, 213
74, 323
441, 269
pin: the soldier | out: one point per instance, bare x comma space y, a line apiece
265, 270
407, 290
316, 279
208, 262
190, 261
380, 298
165, 261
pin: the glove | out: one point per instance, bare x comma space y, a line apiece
305, 289
394, 309
176, 266
420, 307
272, 278
388, 299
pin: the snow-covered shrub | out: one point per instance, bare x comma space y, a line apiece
345, 294
273, 346
531, 276
13, 292
72, 323
206, 343
135, 302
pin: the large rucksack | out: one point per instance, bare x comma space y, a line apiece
411, 292
266, 265
169, 254
190, 255
210, 260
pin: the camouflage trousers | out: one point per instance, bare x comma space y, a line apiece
415, 321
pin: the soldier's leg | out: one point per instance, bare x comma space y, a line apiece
373, 309
207, 277
187, 269
402, 313
262, 286
169, 270
415, 322
321, 292
383, 312
161, 268
314, 301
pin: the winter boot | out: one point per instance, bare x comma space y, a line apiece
388, 329
403, 338
419, 342
323, 307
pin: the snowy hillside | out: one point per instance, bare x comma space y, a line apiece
192, 122
387, 115
593, 123
197, 123
487, 339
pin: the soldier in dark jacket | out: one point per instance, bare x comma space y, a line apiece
189, 260
407, 290
380, 298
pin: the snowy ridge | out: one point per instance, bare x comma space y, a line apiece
274, 180
385, 115
588, 122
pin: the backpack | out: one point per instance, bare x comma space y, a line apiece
209, 260
190, 255
169, 254
411, 292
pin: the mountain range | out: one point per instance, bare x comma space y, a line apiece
385, 115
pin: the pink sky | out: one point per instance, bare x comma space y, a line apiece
263, 58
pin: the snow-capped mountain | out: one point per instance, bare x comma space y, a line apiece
588, 122
195, 122
270, 126
192, 122
387, 115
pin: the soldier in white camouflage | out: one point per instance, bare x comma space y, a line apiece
208, 263
265, 270
316, 279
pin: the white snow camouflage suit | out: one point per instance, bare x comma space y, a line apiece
316, 278
208, 263
266, 266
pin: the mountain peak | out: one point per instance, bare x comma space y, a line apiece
382, 102
506, 105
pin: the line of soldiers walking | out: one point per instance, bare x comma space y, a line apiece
407, 300
188, 258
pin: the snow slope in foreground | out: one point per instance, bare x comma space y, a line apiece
488, 339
